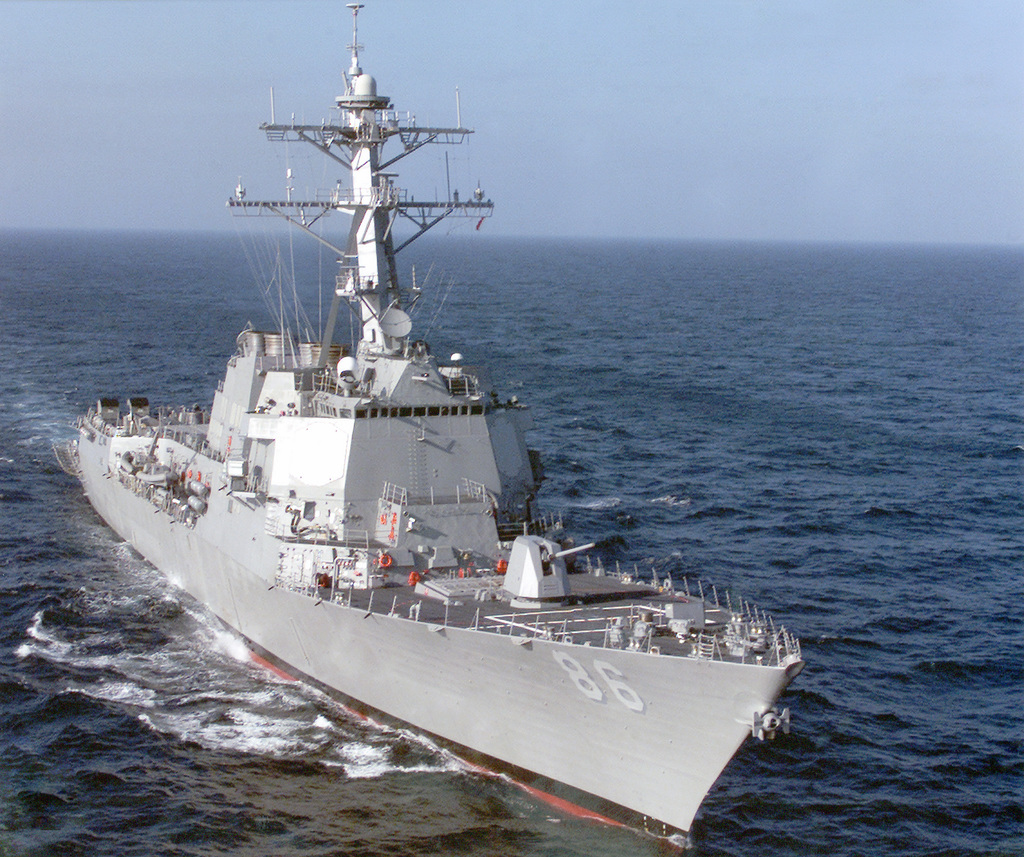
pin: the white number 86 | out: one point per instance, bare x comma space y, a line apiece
612, 677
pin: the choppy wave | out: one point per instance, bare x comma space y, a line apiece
885, 512
600, 503
714, 512
672, 500
44, 644
239, 708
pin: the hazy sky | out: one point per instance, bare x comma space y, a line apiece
867, 120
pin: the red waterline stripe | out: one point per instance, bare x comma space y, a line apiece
357, 714
567, 807
280, 673
562, 805
267, 665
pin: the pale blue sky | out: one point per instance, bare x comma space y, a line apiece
867, 120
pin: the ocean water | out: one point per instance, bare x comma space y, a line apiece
834, 433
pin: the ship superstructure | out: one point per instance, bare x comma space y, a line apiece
362, 513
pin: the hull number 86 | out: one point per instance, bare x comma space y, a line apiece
610, 678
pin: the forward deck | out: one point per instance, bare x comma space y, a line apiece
604, 611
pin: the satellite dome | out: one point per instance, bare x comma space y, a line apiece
347, 372
365, 86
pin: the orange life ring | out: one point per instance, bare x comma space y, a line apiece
386, 560
501, 566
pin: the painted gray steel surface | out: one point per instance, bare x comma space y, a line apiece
483, 691
315, 472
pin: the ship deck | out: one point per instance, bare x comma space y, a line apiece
604, 611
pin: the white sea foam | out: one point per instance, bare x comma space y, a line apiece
35, 630
45, 645
448, 761
672, 500
363, 761
238, 728
261, 732
197, 685
230, 644
66, 654
366, 761
121, 692
600, 503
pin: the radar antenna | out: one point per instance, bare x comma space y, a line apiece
354, 69
355, 137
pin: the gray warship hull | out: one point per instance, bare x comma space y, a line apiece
499, 696
362, 515
505, 697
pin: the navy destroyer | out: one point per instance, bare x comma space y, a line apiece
363, 514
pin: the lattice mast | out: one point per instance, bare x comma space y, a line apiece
363, 123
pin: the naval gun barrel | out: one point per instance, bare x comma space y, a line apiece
573, 550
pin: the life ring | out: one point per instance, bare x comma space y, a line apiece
386, 560
414, 578
501, 566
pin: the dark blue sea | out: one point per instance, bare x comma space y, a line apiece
833, 432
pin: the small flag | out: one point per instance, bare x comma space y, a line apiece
479, 222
